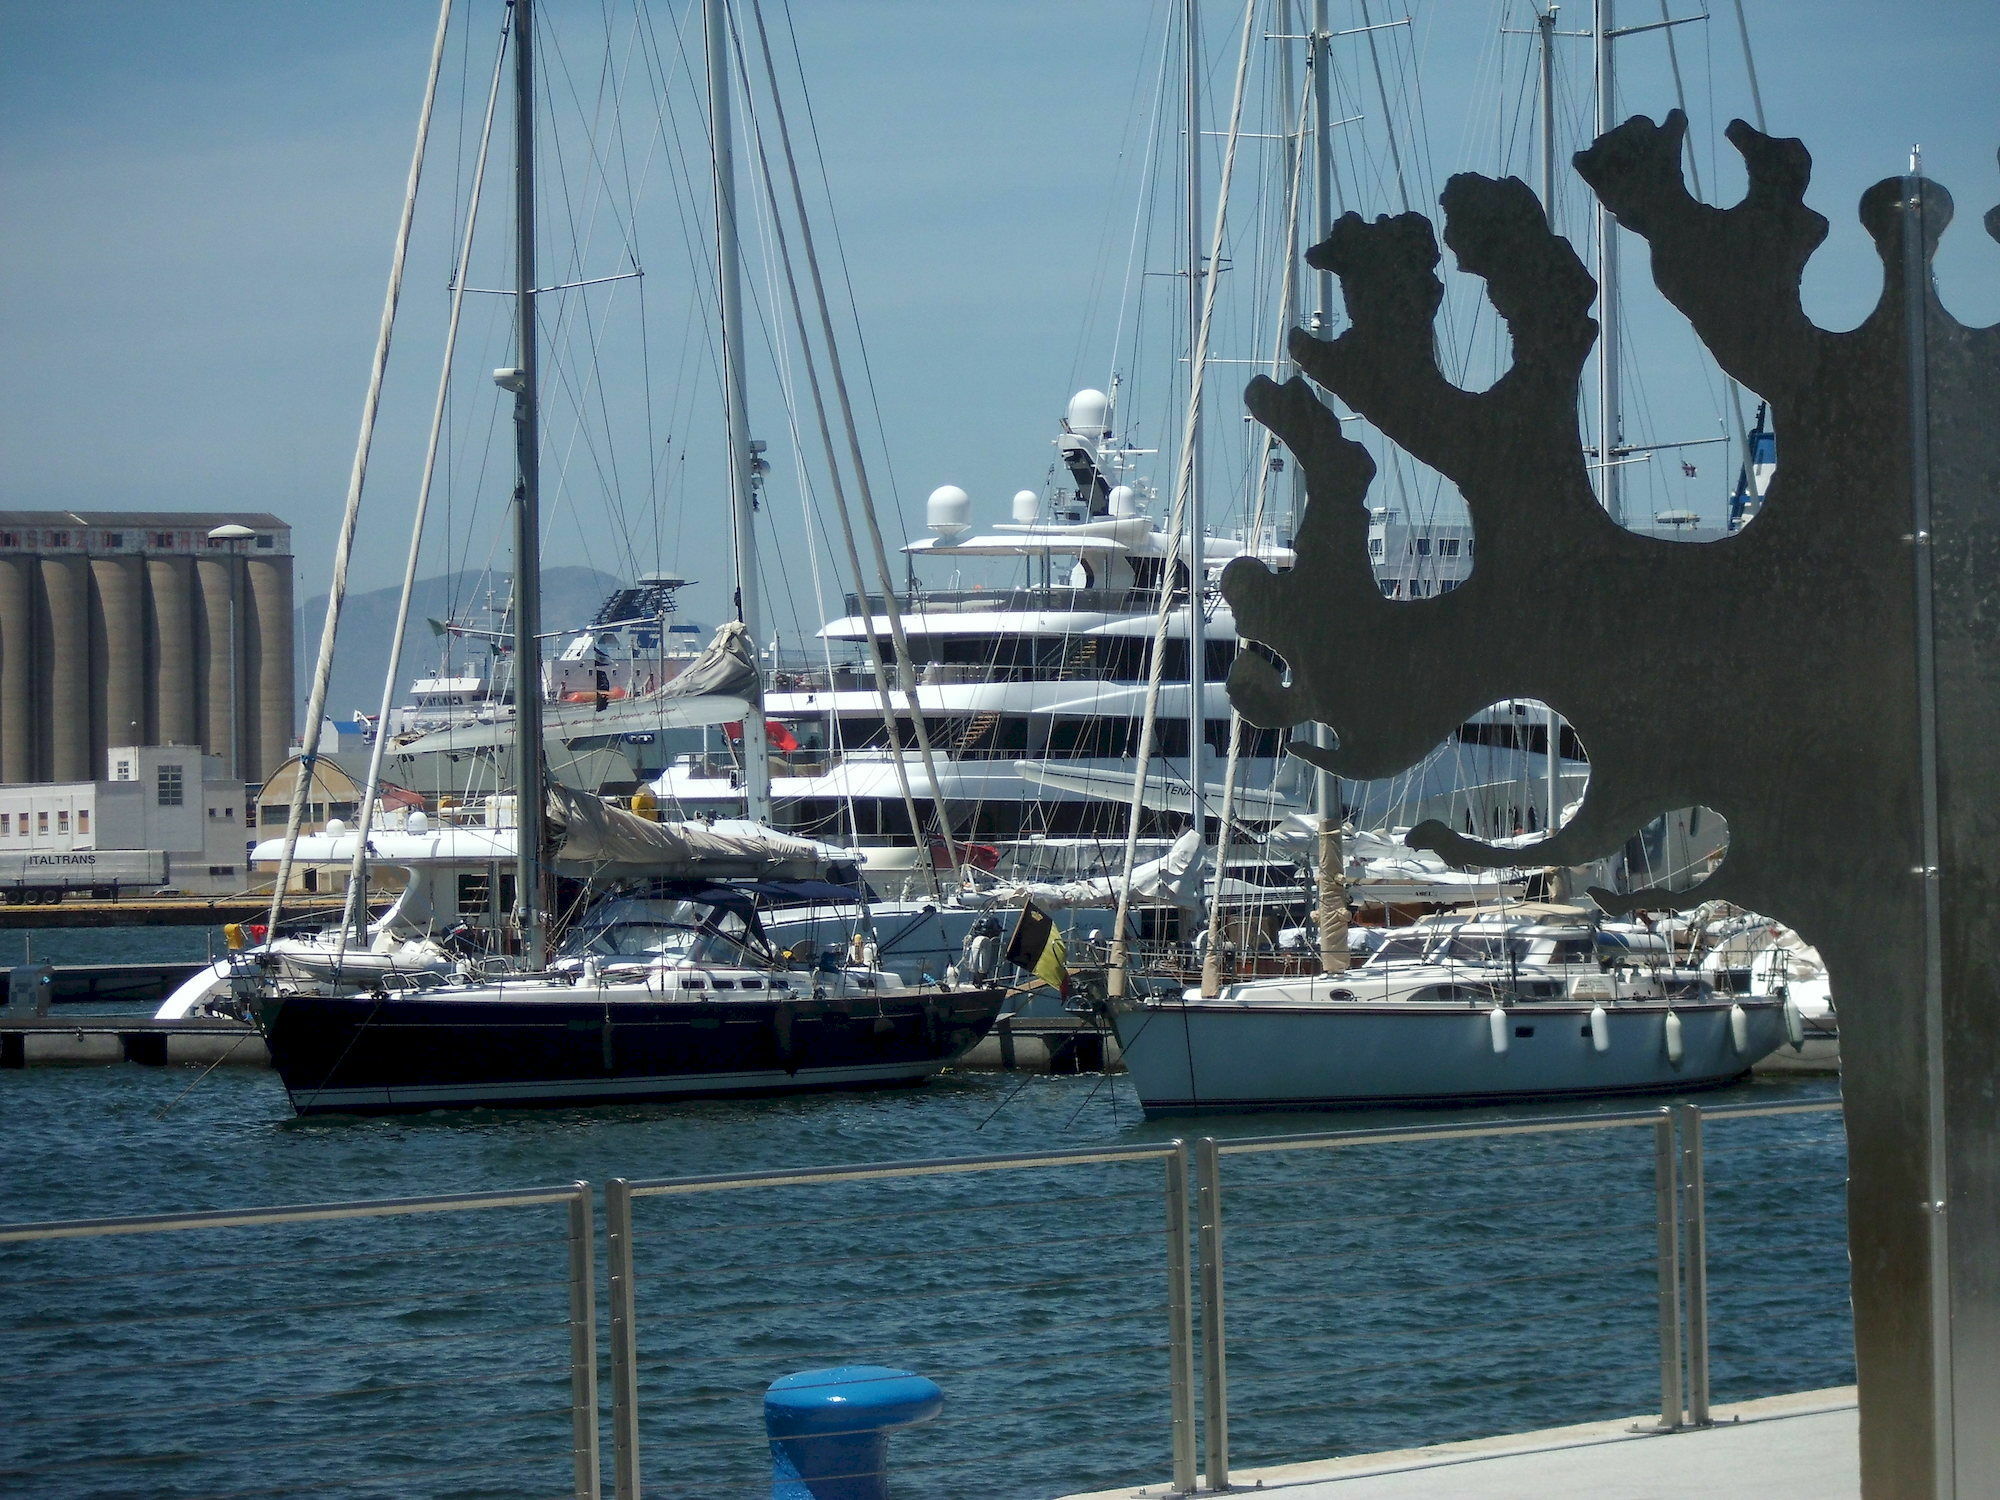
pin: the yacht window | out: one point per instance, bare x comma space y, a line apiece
643, 939
753, 984
725, 984
1448, 547
1423, 546
1401, 950
1574, 951
694, 984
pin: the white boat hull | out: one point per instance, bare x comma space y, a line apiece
1233, 1054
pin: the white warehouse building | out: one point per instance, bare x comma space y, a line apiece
166, 815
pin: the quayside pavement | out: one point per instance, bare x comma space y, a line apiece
1797, 1447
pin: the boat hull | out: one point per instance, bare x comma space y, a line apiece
371, 1055
1191, 1056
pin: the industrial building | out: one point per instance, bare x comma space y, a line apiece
143, 628
170, 802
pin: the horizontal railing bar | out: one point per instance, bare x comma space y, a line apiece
237, 1267
1753, 1111
1453, 1175
302, 1213
937, 1166
1549, 1125
1432, 1213
346, 1345
939, 1211
987, 1288
205, 1315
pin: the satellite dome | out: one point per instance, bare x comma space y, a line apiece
1027, 506
1089, 414
1124, 501
949, 510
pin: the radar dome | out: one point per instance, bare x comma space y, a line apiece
1027, 506
949, 510
1124, 501
1089, 414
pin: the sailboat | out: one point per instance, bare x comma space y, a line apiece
702, 1002
1521, 1003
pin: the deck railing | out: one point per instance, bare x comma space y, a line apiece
1090, 1314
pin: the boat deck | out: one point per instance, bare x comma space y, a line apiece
1798, 1447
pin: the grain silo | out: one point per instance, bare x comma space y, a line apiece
143, 628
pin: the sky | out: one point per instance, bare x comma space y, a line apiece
199, 200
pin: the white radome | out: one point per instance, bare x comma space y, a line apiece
1089, 414
949, 510
1027, 507
1124, 501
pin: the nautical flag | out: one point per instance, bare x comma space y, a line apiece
1037, 946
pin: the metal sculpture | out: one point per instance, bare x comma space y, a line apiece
1832, 671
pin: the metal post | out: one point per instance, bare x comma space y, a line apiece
1214, 1351
1667, 1223
1610, 491
1180, 1322
624, 1349
1695, 1221
583, 1342
1197, 547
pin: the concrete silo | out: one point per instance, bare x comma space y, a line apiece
19, 578
66, 600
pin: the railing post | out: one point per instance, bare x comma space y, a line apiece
583, 1342
1214, 1348
1666, 1215
1180, 1322
1694, 1191
624, 1344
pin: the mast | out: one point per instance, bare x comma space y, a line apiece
1331, 880
1196, 549
735, 405
1545, 32
530, 905
1609, 490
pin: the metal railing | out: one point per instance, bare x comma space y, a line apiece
1392, 1235
1002, 1298
265, 1360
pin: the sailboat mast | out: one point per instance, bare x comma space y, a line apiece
1196, 549
735, 405
1545, 31
530, 907
1609, 491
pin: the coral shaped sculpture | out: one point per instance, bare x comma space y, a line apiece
1828, 678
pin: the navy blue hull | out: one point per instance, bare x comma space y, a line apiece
362, 1054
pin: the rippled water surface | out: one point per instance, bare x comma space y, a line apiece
1378, 1296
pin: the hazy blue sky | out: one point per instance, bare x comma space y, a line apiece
199, 199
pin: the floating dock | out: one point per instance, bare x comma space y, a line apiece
52, 1041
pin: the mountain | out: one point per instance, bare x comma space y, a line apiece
570, 596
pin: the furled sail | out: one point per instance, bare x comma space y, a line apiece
592, 837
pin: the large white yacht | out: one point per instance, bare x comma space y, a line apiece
1031, 651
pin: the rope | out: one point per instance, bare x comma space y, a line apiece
344, 547
352, 915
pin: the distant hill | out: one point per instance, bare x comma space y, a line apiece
570, 596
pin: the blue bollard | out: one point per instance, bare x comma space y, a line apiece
830, 1429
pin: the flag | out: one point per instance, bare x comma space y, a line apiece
1037, 946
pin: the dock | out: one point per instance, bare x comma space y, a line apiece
1798, 1447
50, 1041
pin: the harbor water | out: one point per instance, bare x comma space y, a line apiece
1379, 1298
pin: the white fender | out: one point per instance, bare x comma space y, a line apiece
1739, 1028
1795, 1025
1600, 1028
1673, 1039
1496, 1027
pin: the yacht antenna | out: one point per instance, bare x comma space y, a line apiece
742, 470
530, 818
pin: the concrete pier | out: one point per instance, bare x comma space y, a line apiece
1798, 1447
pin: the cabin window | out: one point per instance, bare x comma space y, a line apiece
1375, 546
1423, 546
62, 820
753, 984
725, 984
170, 786
41, 821
1448, 547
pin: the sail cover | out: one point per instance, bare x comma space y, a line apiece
593, 838
715, 688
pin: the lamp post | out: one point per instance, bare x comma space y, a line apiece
234, 536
